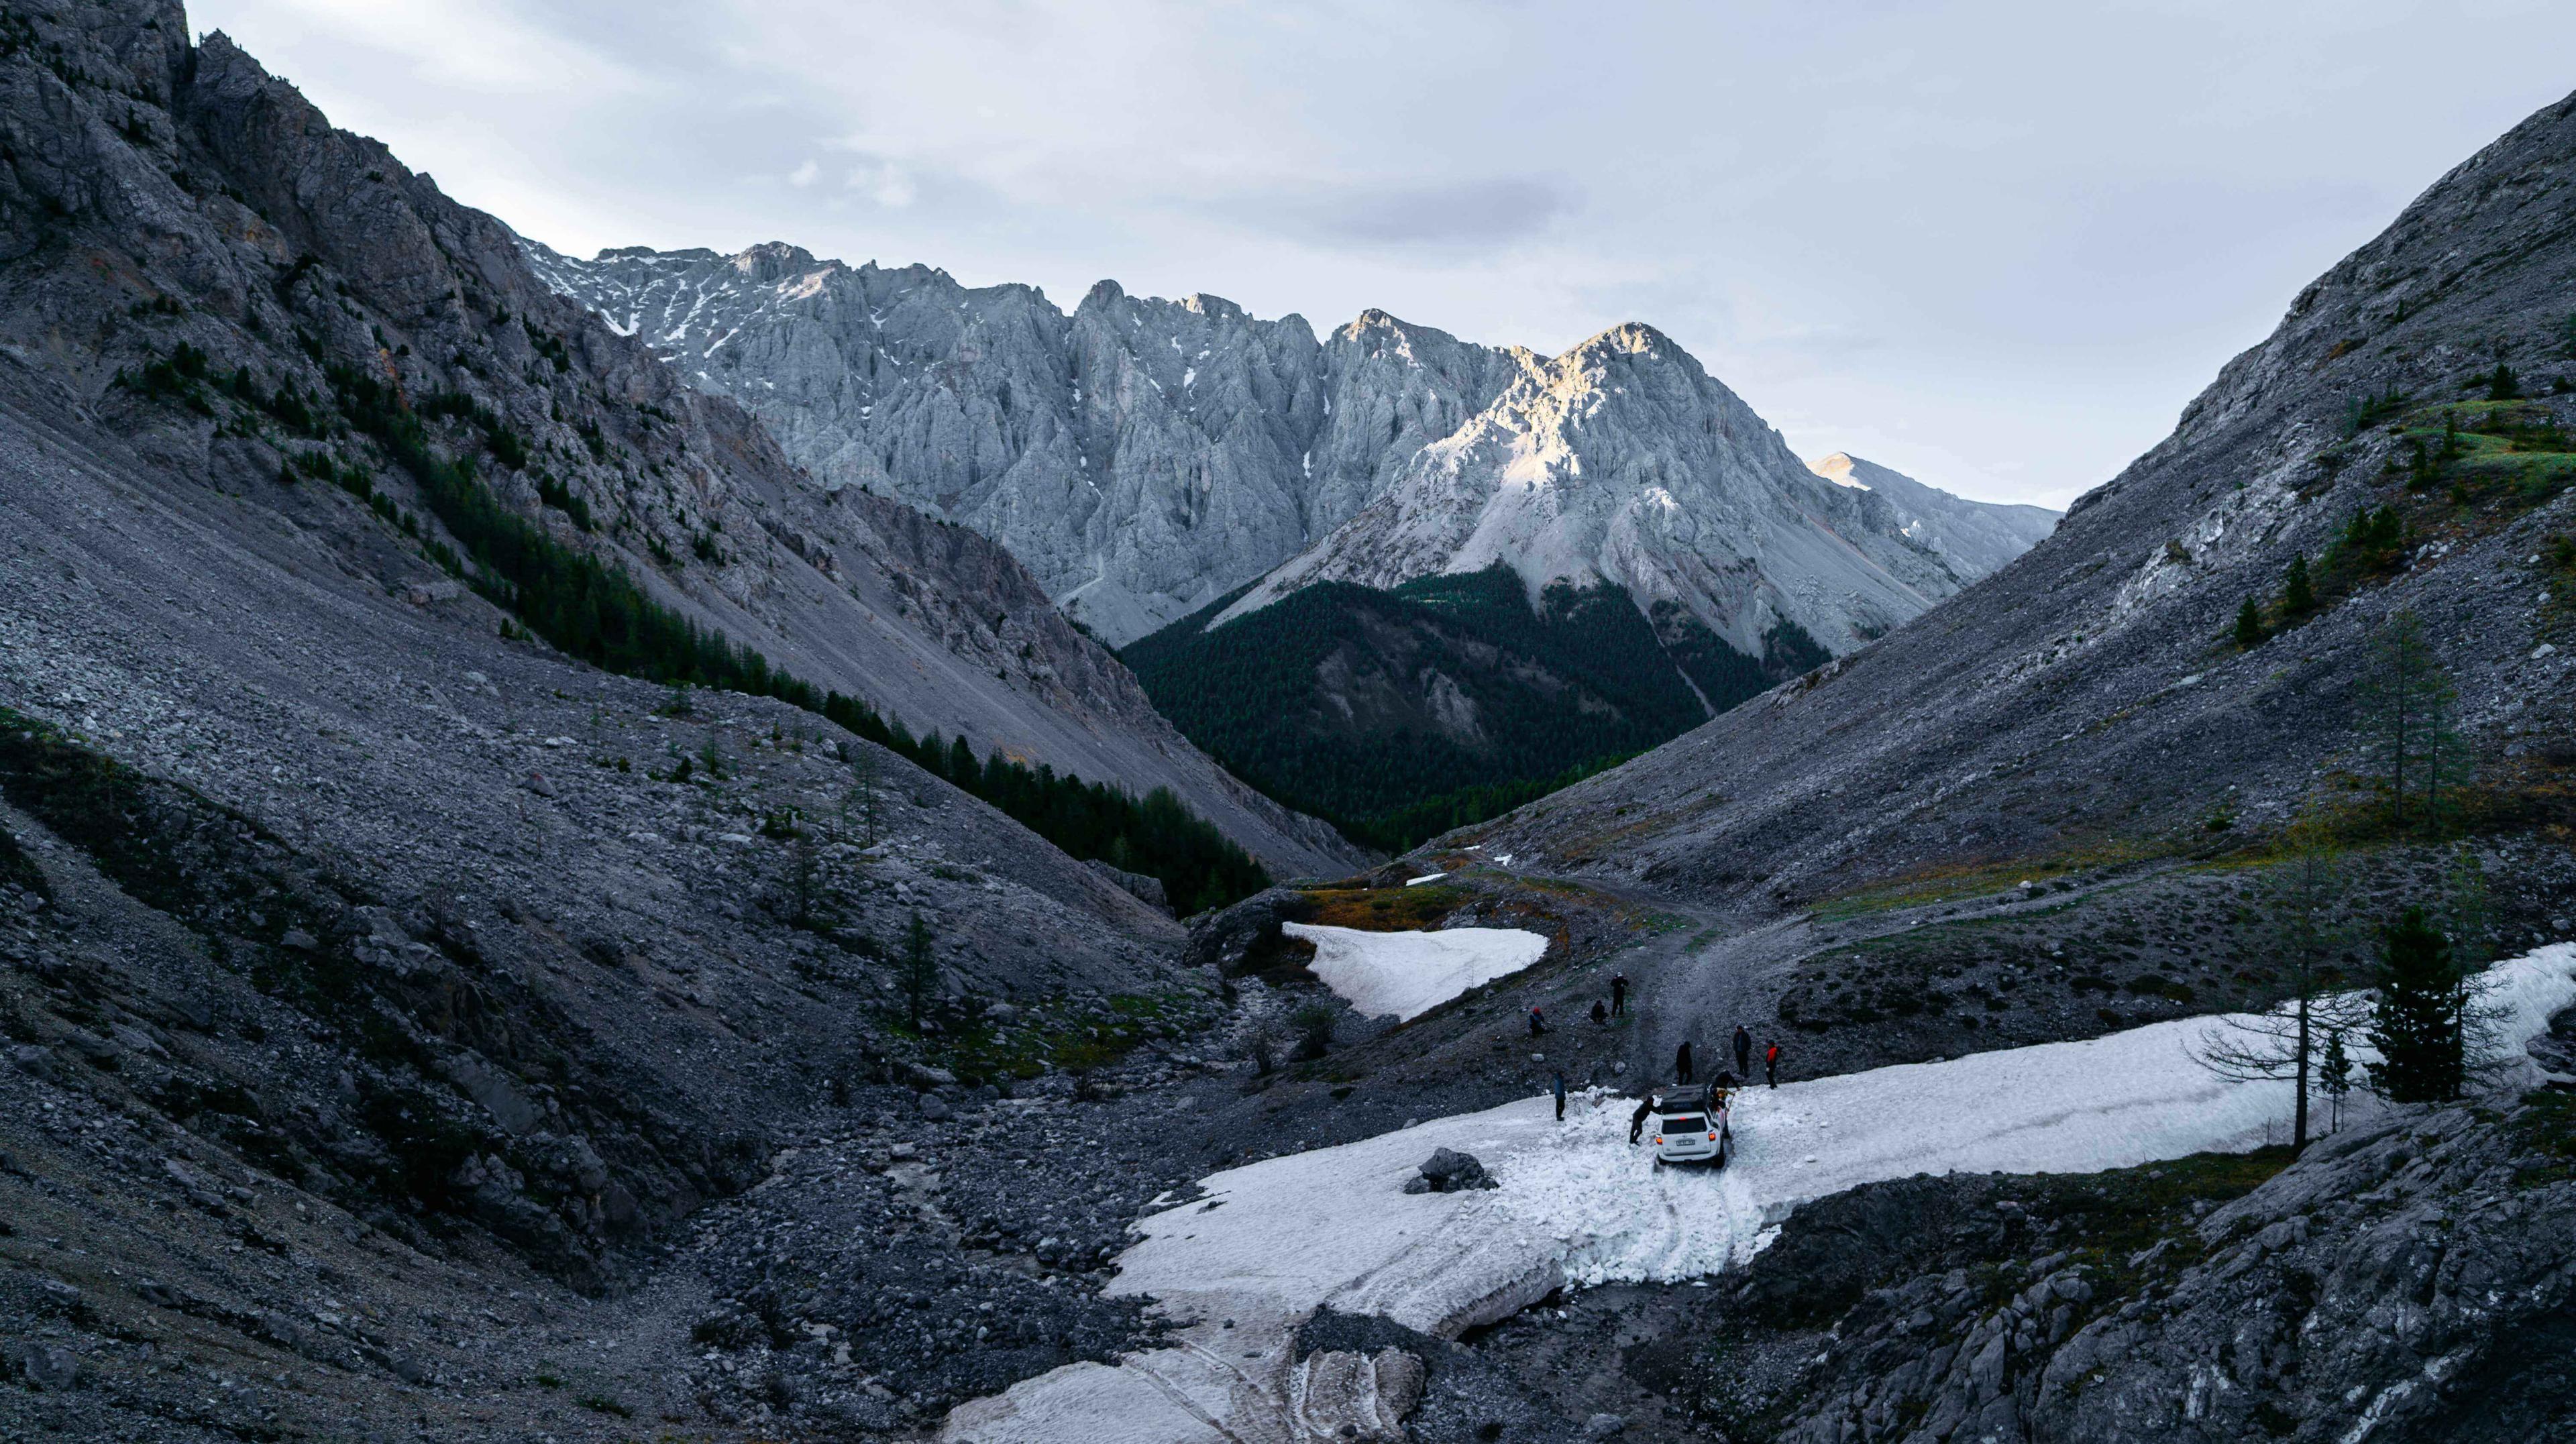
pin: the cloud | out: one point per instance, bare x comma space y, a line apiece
883, 182
471, 45
1469, 215
804, 174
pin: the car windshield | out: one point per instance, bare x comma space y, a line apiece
1686, 1123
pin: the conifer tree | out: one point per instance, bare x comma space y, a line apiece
2249, 626
2417, 1022
2334, 1075
2306, 907
2298, 593
2407, 701
920, 972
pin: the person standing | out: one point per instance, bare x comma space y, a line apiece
1538, 1022
1560, 1095
1771, 1063
1682, 1062
1743, 1052
1618, 995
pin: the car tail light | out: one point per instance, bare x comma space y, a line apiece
1712, 1138
1659, 1139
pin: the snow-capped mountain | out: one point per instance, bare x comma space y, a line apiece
1623, 461
1976, 536
1141, 456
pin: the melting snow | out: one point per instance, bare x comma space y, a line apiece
1579, 1206
1409, 974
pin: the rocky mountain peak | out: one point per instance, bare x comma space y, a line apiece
772, 261
1623, 461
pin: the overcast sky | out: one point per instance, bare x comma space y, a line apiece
1995, 246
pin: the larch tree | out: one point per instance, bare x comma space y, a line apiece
2407, 705
2307, 931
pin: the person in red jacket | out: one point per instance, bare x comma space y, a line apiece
1771, 1064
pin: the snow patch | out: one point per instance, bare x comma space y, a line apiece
1409, 974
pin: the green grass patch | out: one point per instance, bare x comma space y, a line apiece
1057, 1033
1385, 909
1950, 882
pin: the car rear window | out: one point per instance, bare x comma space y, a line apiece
1686, 1123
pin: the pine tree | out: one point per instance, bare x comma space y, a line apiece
920, 971
2249, 626
2334, 1075
2417, 1023
2298, 594
2504, 385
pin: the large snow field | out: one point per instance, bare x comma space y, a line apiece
1271, 1241
1409, 974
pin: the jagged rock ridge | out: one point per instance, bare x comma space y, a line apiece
1145, 457
1141, 456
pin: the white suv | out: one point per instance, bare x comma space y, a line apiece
1689, 1125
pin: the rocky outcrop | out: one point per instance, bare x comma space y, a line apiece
2398, 1283
1141, 456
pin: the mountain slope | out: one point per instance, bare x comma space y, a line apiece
2090, 693
1622, 461
311, 857
1403, 713
1977, 537
930, 624
1141, 456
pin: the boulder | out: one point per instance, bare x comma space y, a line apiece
1448, 1171
1144, 887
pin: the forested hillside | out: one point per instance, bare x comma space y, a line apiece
1400, 714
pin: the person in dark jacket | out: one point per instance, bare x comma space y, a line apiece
1560, 1095
1771, 1064
1743, 1052
1637, 1120
1682, 1063
1618, 995
1538, 1022
1600, 1014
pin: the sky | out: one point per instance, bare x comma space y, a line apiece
1995, 246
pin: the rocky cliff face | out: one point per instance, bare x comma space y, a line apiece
1623, 461
1976, 537
1141, 456
2091, 691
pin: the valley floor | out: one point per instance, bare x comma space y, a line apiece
1265, 1246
